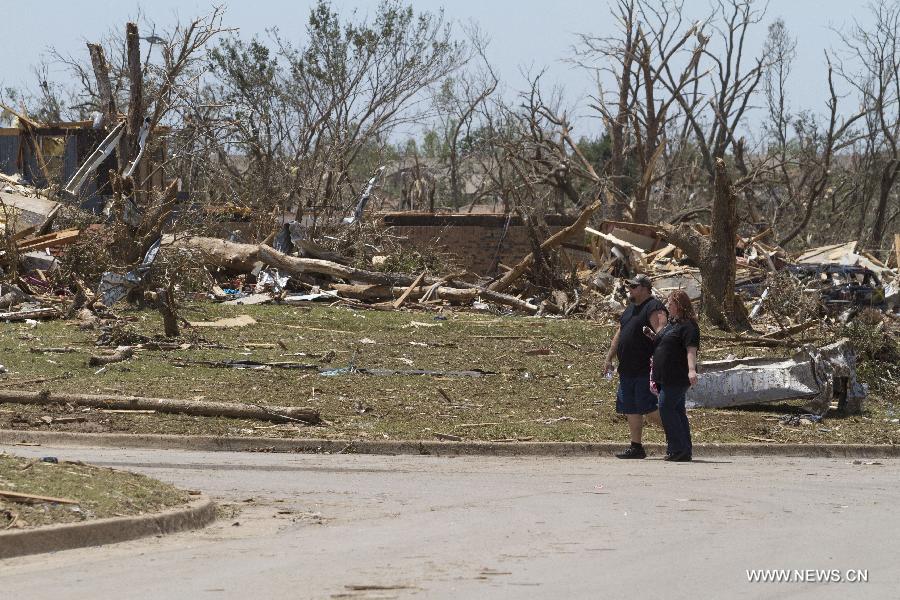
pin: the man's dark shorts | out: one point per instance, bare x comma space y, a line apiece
634, 396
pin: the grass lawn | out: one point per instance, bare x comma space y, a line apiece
544, 380
98, 491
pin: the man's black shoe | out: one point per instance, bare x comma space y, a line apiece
678, 457
635, 451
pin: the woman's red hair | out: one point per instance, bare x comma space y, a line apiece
680, 298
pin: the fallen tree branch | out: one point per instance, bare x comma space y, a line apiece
384, 292
38, 313
230, 256
164, 405
507, 300
455, 295
32, 499
62, 350
300, 266
550, 243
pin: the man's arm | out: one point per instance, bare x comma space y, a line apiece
612, 351
692, 364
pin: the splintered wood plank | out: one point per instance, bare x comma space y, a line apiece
57, 238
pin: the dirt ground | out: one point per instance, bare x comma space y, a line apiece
540, 379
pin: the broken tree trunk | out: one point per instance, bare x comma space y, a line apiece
230, 256
104, 89
167, 309
552, 242
129, 143
277, 414
120, 355
299, 266
715, 256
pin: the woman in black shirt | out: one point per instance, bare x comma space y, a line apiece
674, 371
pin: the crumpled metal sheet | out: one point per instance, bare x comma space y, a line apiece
142, 144
95, 159
271, 278
275, 279
820, 374
114, 286
364, 198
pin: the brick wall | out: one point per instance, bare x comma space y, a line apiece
472, 239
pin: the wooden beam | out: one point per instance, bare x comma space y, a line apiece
661, 253
615, 241
897, 250
399, 301
57, 238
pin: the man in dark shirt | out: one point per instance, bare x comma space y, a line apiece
634, 349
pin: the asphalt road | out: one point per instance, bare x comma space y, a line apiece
366, 527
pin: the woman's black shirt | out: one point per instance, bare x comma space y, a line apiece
670, 366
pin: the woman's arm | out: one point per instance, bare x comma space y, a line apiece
658, 320
692, 364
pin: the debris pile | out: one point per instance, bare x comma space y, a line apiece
575, 272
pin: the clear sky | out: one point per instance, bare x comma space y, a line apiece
523, 33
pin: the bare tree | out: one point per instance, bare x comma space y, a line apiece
804, 166
653, 43
715, 124
540, 146
459, 104
309, 118
870, 67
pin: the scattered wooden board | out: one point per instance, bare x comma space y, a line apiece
57, 238
399, 301
250, 300
39, 313
226, 322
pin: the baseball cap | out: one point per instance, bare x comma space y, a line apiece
640, 279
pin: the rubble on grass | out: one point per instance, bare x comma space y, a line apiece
131, 253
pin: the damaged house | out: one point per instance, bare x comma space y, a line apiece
45, 154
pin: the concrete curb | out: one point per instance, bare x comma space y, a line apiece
199, 513
428, 447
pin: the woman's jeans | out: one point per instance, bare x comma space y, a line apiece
674, 419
